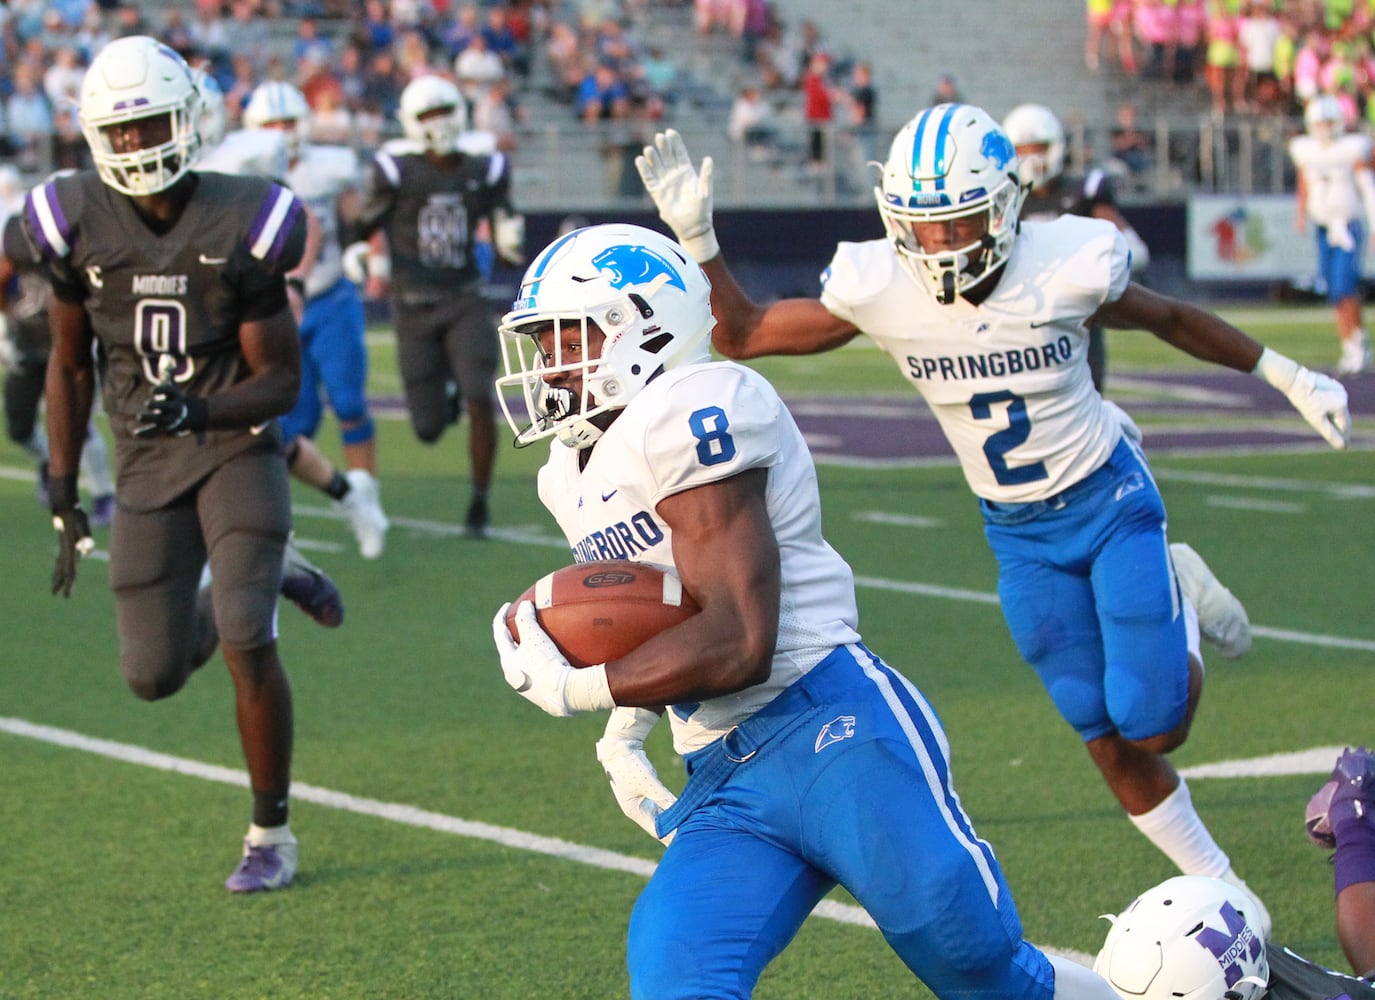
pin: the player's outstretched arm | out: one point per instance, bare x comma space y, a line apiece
1319, 399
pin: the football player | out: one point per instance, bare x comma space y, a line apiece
334, 355
426, 198
811, 763
1197, 937
1335, 185
1341, 817
262, 152
24, 348
989, 322
180, 278
1040, 140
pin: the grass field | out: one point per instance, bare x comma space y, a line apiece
457, 843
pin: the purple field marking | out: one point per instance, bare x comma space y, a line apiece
899, 429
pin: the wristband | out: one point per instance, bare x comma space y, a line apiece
586, 690
1276, 369
62, 494
702, 247
379, 266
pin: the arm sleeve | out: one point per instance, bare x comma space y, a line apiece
273, 250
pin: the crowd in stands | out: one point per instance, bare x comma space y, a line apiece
1255, 57
352, 58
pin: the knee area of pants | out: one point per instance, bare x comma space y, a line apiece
429, 435
155, 687
358, 427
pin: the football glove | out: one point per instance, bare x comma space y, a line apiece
541, 674
170, 411
508, 236
634, 782
355, 262
682, 194
73, 532
1319, 399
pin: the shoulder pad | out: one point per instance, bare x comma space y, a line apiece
279, 213
858, 272
48, 222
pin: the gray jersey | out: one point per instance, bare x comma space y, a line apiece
169, 304
429, 211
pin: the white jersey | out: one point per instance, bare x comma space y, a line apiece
1329, 172
254, 152
691, 426
318, 177
1007, 379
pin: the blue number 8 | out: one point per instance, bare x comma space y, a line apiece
709, 426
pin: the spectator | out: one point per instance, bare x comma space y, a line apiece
309, 46
29, 117
864, 110
1225, 74
351, 76
818, 110
1130, 146
477, 66
1258, 34
455, 33
376, 27
751, 124
207, 30
93, 35
1157, 26
1191, 18
246, 31
176, 33
946, 92
241, 86
62, 79
753, 28
495, 110
501, 39
603, 95
70, 151
382, 84
661, 73
563, 54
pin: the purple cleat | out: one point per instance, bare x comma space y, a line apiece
310, 589
263, 867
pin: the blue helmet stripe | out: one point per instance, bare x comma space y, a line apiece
535, 276
916, 148
943, 146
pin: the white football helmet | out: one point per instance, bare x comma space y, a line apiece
273, 103
214, 116
649, 299
1036, 125
1189, 938
133, 78
1323, 117
949, 162
423, 96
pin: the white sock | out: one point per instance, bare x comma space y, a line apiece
1192, 635
262, 836
1174, 827
1075, 982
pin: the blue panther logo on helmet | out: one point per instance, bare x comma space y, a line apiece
629, 264
998, 147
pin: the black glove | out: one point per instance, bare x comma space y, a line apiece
170, 411
73, 532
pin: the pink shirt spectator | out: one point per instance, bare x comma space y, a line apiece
1156, 23
1190, 18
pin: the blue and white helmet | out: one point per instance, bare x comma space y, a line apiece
130, 79
1189, 938
949, 162
279, 105
641, 290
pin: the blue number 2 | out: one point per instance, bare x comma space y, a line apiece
709, 426
998, 445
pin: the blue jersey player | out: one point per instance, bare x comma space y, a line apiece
988, 320
811, 762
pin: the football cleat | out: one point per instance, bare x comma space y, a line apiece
475, 524
1221, 617
264, 867
363, 508
310, 589
1355, 357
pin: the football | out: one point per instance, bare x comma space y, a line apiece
599, 611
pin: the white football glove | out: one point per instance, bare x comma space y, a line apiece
634, 782
1319, 399
541, 674
682, 195
355, 261
508, 236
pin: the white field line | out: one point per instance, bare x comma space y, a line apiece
395, 812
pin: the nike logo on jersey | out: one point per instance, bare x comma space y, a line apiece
842, 727
1045, 322
608, 496
213, 260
